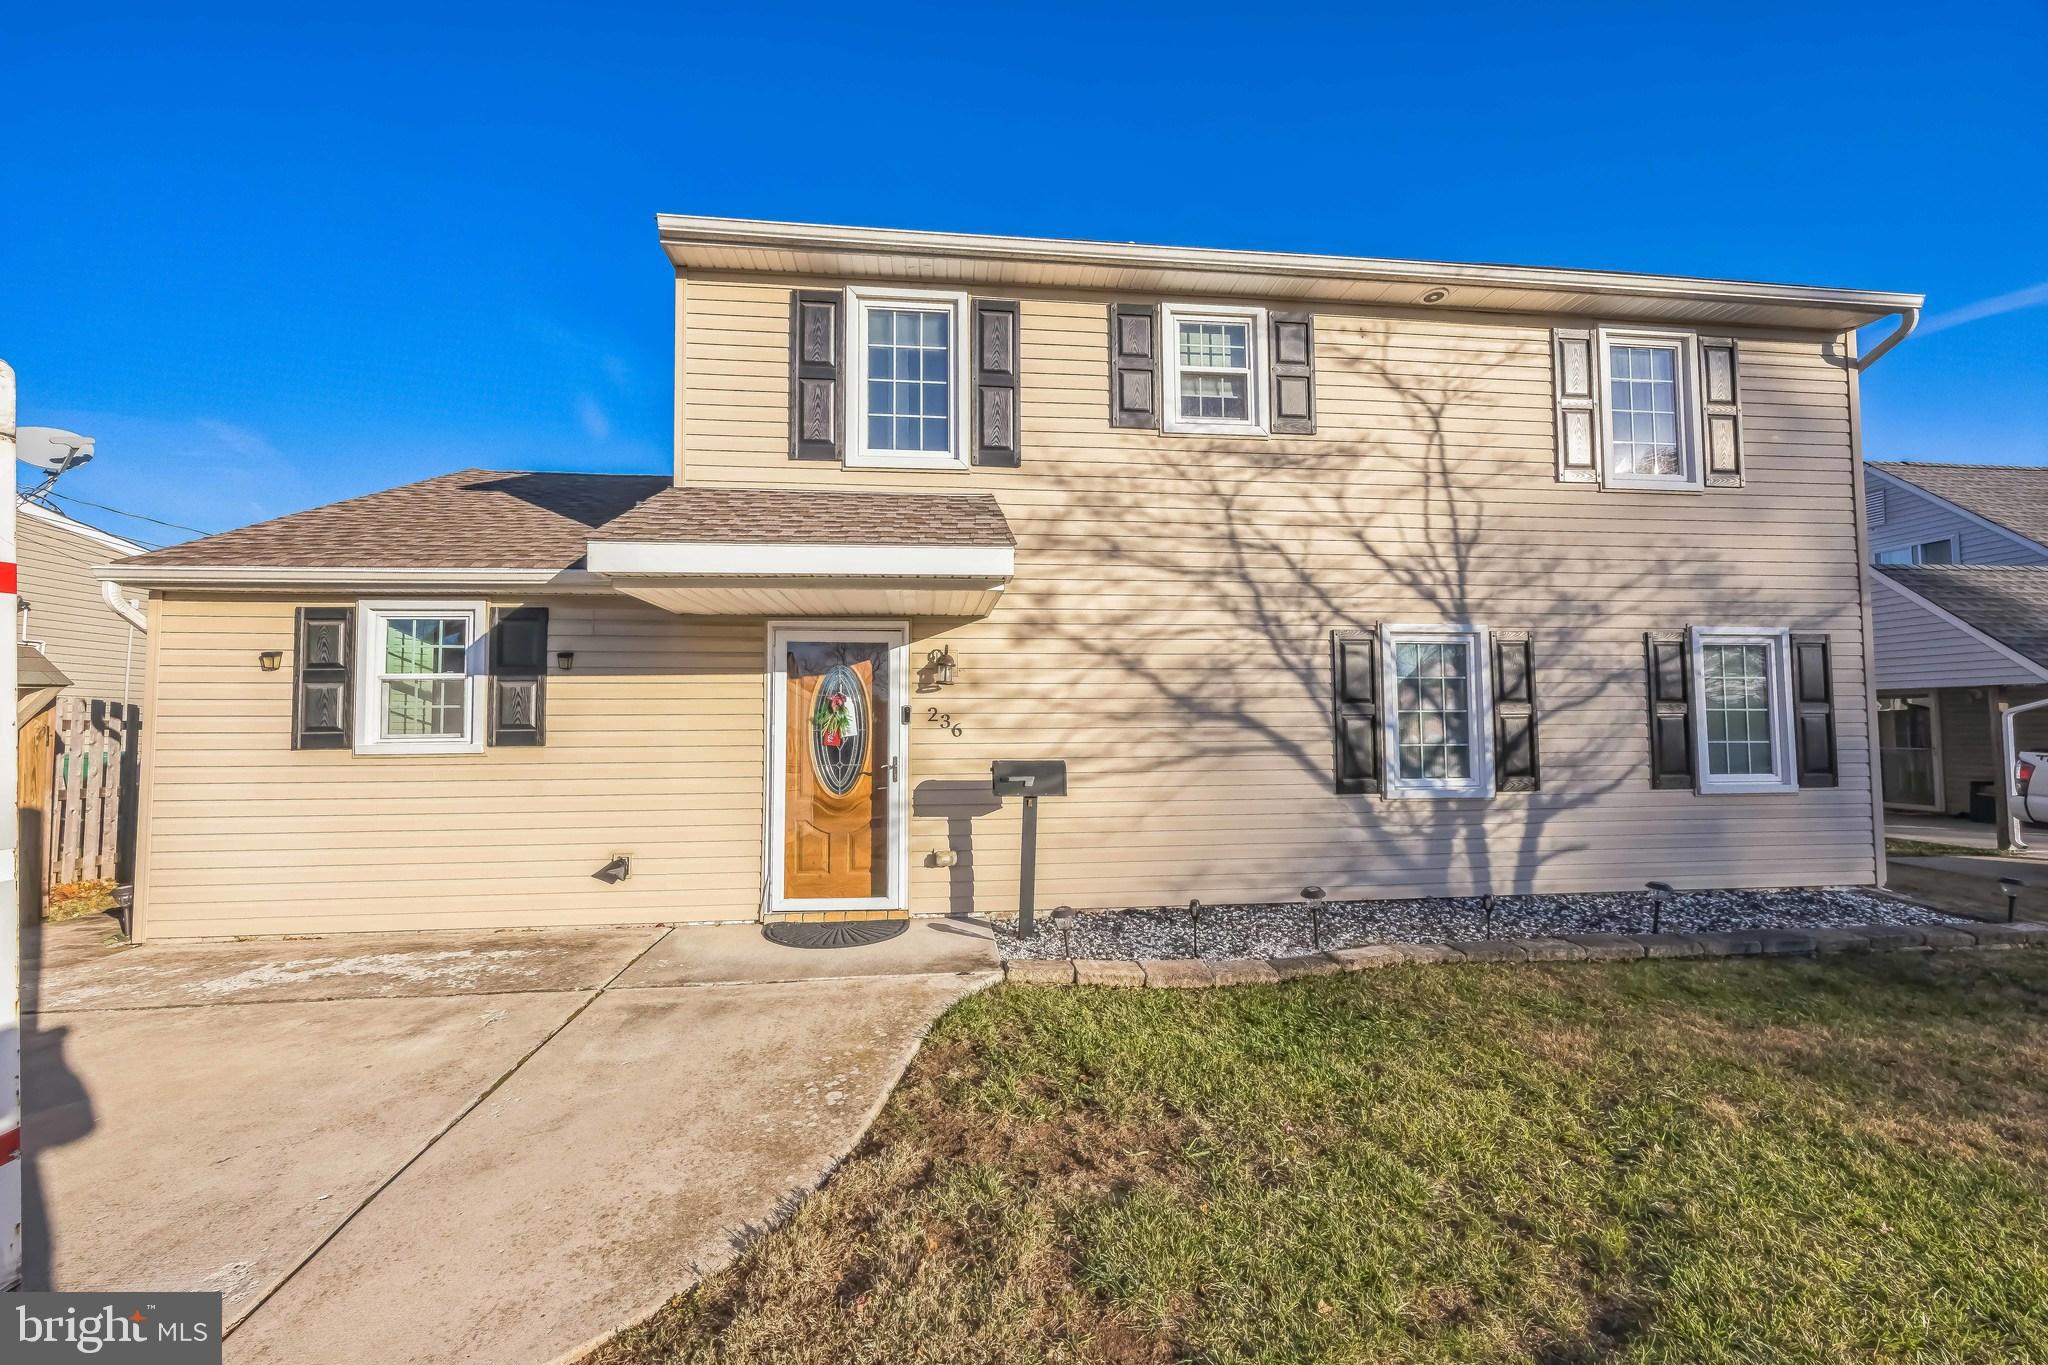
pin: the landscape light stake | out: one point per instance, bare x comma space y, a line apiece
2011, 887
1195, 911
1314, 896
1061, 918
1659, 893
1486, 903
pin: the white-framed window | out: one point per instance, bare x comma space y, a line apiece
1215, 369
1649, 396
1437, 721
1742, 709
420, 672
1945, 550
910, 379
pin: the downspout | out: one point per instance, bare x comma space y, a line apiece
129, 612
1909, 318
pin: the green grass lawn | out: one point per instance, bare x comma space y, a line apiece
1697, 1161
1927, 848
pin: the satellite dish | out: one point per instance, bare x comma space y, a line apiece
51, 449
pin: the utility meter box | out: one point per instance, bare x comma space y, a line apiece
1029, 777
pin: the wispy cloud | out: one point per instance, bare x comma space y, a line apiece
2033, 296
597, 423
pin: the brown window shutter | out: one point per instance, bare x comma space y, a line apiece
1670, 688
1294, 373
1813, 711
1721, 390
817, 353
323, 677
1578, 405
1354, 709
997, 441
1517, 765
519, 676
1134, 365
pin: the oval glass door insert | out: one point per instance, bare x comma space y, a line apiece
839, 729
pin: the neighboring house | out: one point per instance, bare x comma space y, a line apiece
1960, 618
1392, 578
86, 629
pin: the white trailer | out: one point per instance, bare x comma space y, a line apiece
10, 942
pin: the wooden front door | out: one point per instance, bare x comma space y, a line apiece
838, 767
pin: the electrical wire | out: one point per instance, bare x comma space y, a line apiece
137, 516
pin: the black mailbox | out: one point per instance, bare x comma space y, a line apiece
1029, 777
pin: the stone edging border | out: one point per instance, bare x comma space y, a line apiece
1186, 973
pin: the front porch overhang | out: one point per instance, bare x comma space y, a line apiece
810, 579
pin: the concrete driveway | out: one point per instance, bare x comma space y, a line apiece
449, 1147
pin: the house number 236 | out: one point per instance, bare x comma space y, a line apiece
943, 720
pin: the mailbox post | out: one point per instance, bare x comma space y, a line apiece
1030, 779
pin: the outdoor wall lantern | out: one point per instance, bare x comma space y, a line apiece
941, 663
565, 659
270, 660
615, 871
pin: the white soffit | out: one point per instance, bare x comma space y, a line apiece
961, 260
816, 596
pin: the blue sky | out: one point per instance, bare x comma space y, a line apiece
271, 263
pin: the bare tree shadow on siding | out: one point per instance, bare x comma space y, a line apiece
1269, 545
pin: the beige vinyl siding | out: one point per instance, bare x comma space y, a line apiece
101, 653
1912, 517
1167, 632
1917, 647
654, 750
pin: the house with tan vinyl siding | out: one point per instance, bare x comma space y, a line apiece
65, 613
1393, 578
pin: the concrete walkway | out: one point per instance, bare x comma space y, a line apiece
450, 1147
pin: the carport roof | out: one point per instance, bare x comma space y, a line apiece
2008, 602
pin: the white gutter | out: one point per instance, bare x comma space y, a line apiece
123, 608
1909, 318
682, 231
258, 578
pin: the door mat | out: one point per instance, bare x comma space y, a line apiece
850, 934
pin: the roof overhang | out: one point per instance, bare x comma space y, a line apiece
746, 246
337, 578
707, 578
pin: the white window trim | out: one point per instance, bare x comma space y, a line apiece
369, 698
1171, 315
1685, 373
1784, 775
1480, 783
859, 300
1955, 548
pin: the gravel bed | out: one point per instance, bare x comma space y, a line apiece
1282, 930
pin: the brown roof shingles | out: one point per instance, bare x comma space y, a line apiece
485, 519
807, 516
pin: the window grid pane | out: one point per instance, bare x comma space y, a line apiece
424, 679
1643, 403
909, 379
1215, 376
1738, 702
1433, 710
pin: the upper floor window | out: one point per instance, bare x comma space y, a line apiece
909, 380
1942, 551
420, 678
1649, 397
1215, 369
